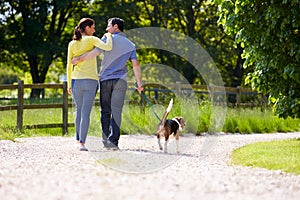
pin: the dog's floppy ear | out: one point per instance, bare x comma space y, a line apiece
181, 121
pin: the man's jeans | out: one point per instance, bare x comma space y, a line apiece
112, 95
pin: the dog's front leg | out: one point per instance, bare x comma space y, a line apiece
158, 141
166, 146
159, 144
177, 142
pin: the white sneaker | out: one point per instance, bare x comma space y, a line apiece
82, 148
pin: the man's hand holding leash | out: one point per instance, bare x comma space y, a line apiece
139, 86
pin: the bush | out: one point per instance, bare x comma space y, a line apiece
8, 76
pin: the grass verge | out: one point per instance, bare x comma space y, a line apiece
197, 116
274, 155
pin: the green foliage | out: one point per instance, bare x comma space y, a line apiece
8, 133
205, 114
275, 155
254, 121
269, 33
34, 34
7, 76
196, 19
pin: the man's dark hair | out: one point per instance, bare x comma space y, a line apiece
118, 21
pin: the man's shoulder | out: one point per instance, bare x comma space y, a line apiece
119, 34
123, 40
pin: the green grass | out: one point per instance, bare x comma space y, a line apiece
8, 133
8, 120
197, 116
254, 121
275, 155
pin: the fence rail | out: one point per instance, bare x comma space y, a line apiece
177, 88
21, 106
214, 92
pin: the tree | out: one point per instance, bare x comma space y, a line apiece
35, 33
198, 20
194, 18
269, 32
7, 76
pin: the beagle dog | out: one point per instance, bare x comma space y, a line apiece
169, 127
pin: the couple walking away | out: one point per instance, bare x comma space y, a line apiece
83, 77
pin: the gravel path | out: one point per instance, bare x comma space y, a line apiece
52, 168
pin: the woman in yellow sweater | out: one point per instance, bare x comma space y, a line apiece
83, 78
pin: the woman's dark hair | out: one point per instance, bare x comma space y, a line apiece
119, 21
80, 28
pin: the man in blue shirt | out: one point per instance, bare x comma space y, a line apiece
113, 80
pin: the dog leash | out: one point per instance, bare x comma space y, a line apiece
150, 105
148, 101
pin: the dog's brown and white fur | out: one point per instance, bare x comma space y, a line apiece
169, 127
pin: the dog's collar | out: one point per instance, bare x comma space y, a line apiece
176, 120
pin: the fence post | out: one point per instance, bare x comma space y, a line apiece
178, 88
155, 94
20, 105
238, 95
212, 92
264, 101
65, 109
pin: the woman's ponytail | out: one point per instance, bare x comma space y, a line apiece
80, 28
77, 33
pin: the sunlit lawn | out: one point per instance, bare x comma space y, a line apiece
275, 155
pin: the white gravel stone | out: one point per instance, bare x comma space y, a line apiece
53, 168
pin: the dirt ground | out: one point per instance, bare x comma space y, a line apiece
53, 168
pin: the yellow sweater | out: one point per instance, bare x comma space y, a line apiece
88, 68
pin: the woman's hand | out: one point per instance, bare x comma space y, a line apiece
76, 60
70, 90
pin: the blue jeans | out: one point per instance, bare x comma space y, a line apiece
84, 91
112, 95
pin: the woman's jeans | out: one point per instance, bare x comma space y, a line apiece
112, 95
84, 91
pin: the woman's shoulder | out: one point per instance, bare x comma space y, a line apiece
89, 37
72, 42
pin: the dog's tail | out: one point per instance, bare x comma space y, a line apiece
163, 120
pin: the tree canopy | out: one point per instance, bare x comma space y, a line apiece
258, 38
268, 30
35, 33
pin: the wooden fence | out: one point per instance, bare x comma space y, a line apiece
216, 94
21, 106
177, 88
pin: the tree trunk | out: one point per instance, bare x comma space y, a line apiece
38, 76
238, 72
